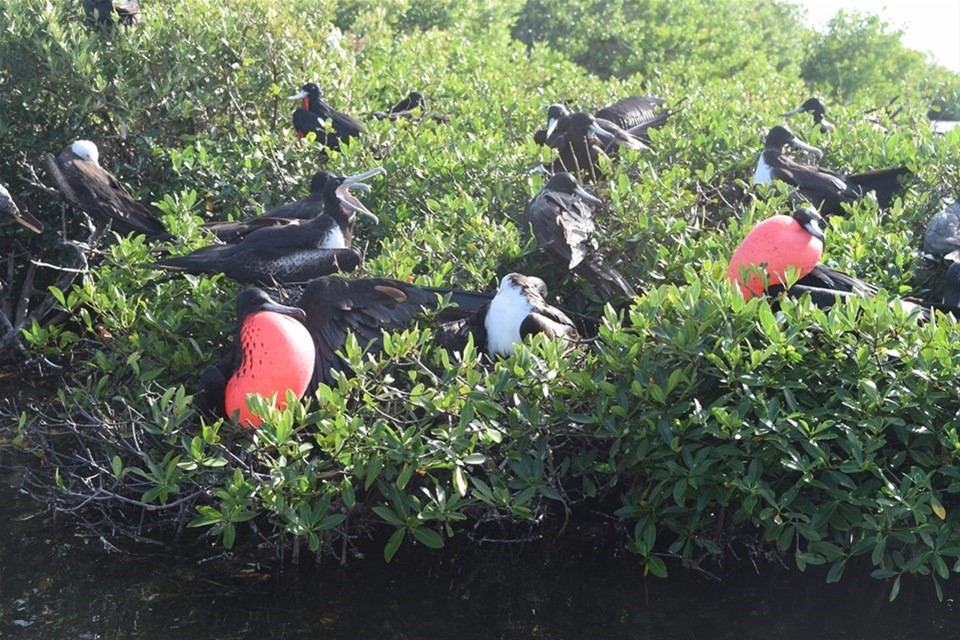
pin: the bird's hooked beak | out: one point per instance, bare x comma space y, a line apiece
551, 125
600, 131
799, 144
351, 203
293, 312
298, 96
580, 191
813, 228
792, 113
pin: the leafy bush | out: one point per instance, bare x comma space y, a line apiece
695, 422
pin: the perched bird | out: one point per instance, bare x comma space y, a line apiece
273, 353
313, 114
822, 188
7, 205
101, 11
289, 253
85, 185
404, 108
951, 287
815, 107
772, 246
295, 212
635, 115
516, 311
366, 307
759, 265
562, 222
942, 235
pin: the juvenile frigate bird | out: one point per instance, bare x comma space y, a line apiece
289, 253
822, 188
313, 114
85, 185
8, 206
296, 212
562, 222
516, 311
272, 353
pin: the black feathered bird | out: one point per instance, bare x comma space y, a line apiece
314, 113
291, 253
942, 235
85, 185
295, 212
561, 219
817, 109
823, 188
102, 11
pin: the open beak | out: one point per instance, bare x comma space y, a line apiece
348, 201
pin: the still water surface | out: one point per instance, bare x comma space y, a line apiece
55, 584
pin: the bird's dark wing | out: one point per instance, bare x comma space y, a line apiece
632, 112
453, 335
364, 306
95, 191
563, 226
886, 183
812, 178
824, 277
550, 321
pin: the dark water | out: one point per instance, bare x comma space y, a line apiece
56, 584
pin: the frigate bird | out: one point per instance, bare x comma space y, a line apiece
314, 113
295, 212
404, 108
101, 11
942, 235
517, 310
562, 222
760, 264
8, 206
289, 253
635, 115
272, 353
85, 185
815, 107
824, 189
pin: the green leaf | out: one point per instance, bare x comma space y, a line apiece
428, 537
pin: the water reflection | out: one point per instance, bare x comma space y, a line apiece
55, 584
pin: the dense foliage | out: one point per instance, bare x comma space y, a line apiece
693, 425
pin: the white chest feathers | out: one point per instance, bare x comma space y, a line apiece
763, 174
506, 313
334, 239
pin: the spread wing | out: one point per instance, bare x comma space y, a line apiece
634, 111
366, 307
811, 178
453, 335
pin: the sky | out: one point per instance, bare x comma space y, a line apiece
931, 26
